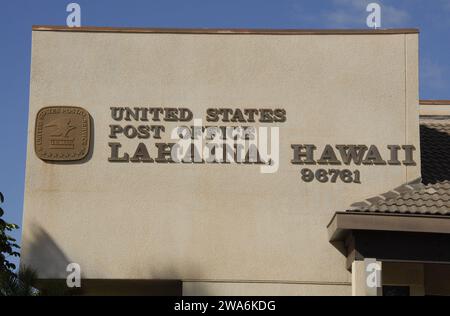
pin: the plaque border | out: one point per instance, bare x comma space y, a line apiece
89, 135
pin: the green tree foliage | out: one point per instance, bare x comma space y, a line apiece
24, 282
8, 245
21, 284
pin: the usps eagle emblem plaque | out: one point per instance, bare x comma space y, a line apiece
62, 133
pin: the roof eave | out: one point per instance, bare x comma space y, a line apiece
344, 222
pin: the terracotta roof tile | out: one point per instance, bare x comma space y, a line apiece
429, 199
429, 196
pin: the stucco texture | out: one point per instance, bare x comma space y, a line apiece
214, 222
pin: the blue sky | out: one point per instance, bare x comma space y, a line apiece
17, 16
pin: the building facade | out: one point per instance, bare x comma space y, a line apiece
334, 116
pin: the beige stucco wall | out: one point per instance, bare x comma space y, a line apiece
214, 222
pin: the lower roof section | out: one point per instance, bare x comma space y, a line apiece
344, 222
391, 237
433, 108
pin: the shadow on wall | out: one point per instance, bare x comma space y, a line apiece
45, 256
190, 287
435, 156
